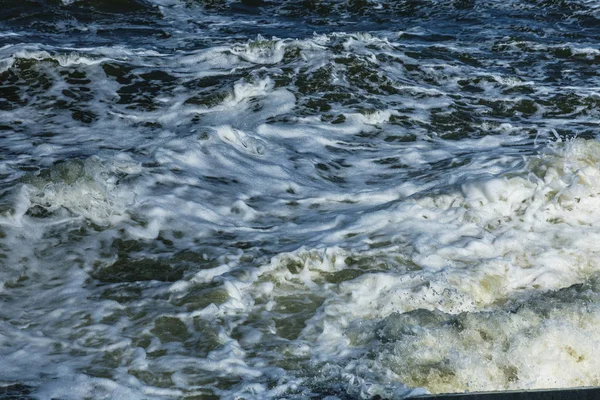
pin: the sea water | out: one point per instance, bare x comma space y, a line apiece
318, 199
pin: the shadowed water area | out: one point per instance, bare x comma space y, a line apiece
314, 199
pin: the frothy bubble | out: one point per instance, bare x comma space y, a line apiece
85, 188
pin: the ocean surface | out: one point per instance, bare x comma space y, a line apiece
298, 199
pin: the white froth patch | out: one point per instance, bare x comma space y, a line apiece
305, 266
86, 189
466, 254
241, 140
375, 118
71, 56
81, 386
65, 60
6, 64
358, 42
247, 90
549, 343
261, 50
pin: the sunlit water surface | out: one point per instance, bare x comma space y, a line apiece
312, 199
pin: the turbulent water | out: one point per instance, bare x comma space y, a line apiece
298, 199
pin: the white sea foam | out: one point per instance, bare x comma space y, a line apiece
260, 244
84, 188
477, 253
261, 51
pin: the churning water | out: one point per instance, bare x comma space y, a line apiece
298, 199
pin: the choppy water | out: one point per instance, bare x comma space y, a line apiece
310, 199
